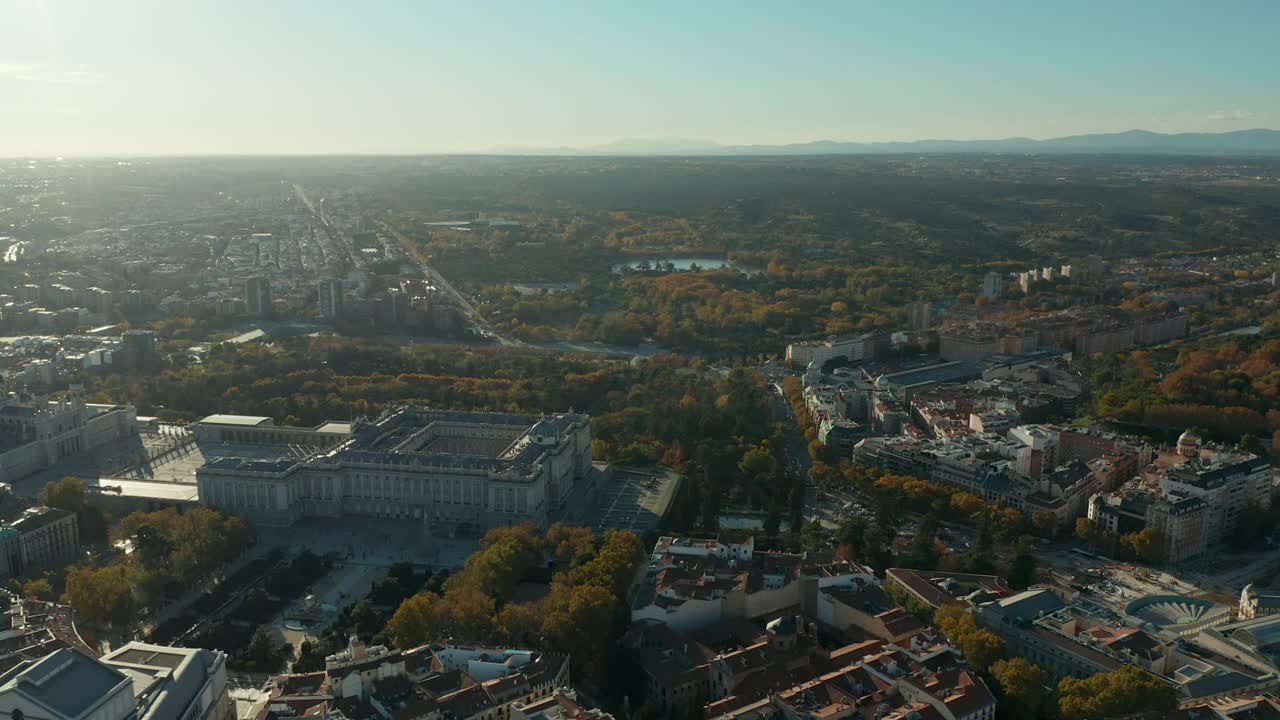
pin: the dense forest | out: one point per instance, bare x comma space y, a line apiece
816, 246
1228, 388
934, 208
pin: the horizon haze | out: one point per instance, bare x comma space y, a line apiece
408, 78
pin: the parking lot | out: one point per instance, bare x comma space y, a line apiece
634, 499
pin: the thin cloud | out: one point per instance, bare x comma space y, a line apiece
46, 73
1228, 115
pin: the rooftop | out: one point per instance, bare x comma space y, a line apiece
1173, 611
945, 372
67, 682
245, 420
38, 517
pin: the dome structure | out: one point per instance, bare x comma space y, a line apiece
1188, 444
1180, 615
785, 625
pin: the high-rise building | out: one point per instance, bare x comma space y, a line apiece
329, 293
1093, 267
1049, 273
257, 296
992, 284
139, 348
920, 315
1026, 280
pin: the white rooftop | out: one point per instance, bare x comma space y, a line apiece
245, 420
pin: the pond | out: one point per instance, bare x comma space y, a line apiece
673, 264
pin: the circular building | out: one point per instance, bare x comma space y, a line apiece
1188, 444
1178, 615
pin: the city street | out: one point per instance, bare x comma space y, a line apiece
795, 455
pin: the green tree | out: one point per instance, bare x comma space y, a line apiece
1022, 568
152, 547
875, 549
69, 493
813, 537
311, 657
849, 536
921, 552
262, 654
759, 465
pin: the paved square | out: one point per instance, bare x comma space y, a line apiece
635, 499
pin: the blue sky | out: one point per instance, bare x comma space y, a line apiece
292, 76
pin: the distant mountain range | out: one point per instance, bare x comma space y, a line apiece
1136, 142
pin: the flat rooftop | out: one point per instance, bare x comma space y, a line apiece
946, 372
68, 682
37, 518
137, 653
156, 490
243, 420
247, 337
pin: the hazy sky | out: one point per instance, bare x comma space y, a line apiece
291, 76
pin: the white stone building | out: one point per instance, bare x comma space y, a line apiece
35, 432
446, 468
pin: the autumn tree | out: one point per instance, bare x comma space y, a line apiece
955, 620
980, 646
520, 624
571, 544
1094, 534
38, 589
1022, 684
417, 620
506, 553
579, 616
72, 494
69, 493
1147, 544
102, 595
1044, 522
1127, 690
578, 621
968, 504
